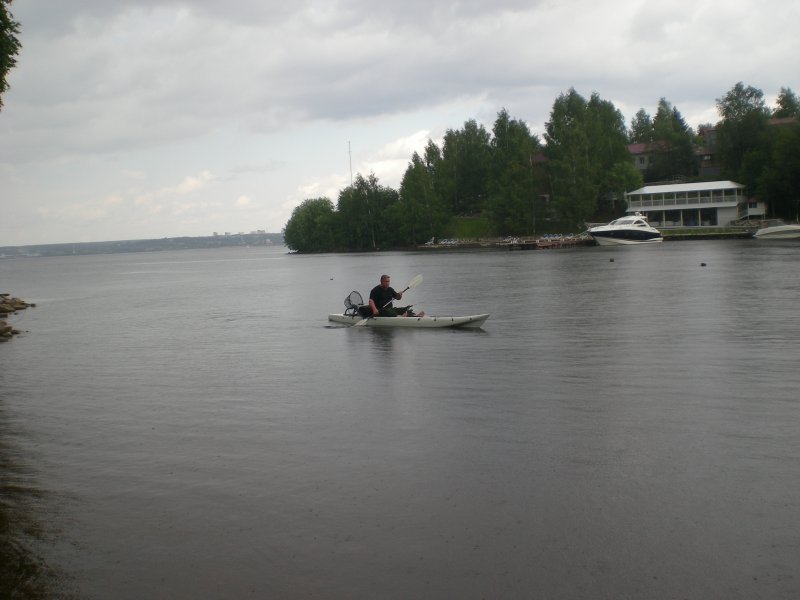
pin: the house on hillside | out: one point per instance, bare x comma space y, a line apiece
705, 204
643, 153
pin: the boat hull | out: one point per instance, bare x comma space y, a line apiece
778, 232
426, 322
619, 238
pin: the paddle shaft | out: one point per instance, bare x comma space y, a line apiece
393, 299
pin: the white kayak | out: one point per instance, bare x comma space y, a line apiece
468, 322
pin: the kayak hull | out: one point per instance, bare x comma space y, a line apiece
426, 322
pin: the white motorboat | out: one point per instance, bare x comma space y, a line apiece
426, 322
631, 229
778, 230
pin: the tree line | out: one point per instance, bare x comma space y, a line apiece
518, 184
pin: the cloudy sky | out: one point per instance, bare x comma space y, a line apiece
162, 118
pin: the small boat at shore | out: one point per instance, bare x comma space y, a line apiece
631, 229
778, 230
426, 322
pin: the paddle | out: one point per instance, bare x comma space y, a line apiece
411, 284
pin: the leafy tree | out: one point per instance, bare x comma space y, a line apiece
740, 102
585, 143
744, 121
623, 177
573, 183
641, 128
673, 145
788, 105
464, 172
311, 227
9, 45
357, 224
608, 147
422, 214
380, 199
364, 221
511, 185
778, 182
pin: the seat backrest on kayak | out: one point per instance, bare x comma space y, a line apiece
354, 305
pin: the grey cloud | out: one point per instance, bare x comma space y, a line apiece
96, 74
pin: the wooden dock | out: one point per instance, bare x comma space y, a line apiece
551, 243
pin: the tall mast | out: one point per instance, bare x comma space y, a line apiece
349, 152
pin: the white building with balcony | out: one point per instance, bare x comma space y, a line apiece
706, 204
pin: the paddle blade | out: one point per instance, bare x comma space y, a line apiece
415, 282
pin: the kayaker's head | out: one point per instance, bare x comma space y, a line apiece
385, 280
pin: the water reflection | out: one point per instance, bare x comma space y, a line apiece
24, 575
382, 342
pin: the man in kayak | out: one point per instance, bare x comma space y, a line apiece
380, 301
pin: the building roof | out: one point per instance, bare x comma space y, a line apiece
647, 147
688, 187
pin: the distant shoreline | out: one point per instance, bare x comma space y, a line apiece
147, 245
276, 239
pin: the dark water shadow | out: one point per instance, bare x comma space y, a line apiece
24, 573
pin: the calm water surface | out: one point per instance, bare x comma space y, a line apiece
625, 426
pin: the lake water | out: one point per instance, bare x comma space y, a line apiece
626, 425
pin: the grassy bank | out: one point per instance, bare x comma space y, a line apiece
468, 228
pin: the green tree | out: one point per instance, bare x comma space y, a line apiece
312, 226
788, 105
574, 188
744, 122
464, 171
585, 143
778, 182
608, 147
420, 213
365, 221
623, 177
9, 45
512, 186
356, 226
641, 131
673, 148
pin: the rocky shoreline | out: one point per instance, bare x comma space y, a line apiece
10, 305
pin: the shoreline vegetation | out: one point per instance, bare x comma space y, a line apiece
507, 181
9, 305
547, 241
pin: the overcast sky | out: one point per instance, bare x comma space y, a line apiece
161, 118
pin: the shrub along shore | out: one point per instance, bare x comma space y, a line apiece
9, 306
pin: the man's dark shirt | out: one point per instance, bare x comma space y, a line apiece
380, 296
